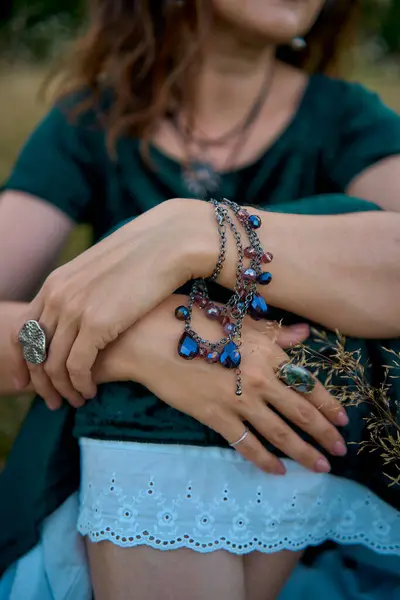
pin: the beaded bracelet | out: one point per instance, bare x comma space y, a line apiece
244, 299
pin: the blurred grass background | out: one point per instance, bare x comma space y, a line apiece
29, 38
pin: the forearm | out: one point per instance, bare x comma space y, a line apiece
341, 271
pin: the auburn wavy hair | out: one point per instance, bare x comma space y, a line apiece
147, 52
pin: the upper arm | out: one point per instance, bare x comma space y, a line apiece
364, 160
32, 234
379, 184
51, 187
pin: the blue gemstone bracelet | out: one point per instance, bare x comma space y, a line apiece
245, 300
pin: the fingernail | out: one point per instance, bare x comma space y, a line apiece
322, 466
339, 449
342, 418
300, 329
280, 469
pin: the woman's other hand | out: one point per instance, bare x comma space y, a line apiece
87, 303
207, 392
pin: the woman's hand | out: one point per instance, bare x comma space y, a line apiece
206, 392
85, 304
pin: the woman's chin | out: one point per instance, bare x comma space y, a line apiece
276, 21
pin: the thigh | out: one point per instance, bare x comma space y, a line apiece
266, 574
143, 573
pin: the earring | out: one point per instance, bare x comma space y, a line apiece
298, 43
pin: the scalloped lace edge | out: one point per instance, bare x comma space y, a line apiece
245, 547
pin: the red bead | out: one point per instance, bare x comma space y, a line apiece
212, 357
224, 319
249, 275
200, 301
213, 312
243, 215
249, 252
267, 257
229, 328
203, 352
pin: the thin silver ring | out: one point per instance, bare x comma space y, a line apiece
241, 439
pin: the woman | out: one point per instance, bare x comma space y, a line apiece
151, 125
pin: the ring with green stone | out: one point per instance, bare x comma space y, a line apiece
297, 378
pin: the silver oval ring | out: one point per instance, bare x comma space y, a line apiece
241, 439
33, 341
297, 378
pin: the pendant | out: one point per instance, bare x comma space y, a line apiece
188, 348
230, 356
201, 178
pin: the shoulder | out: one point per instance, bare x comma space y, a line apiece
356, 128
73, 130
77, 115
349, 102
63, 159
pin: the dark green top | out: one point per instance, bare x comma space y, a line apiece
339, 130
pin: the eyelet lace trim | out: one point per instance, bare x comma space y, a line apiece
207, 505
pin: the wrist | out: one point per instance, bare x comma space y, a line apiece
200, 241
113, 363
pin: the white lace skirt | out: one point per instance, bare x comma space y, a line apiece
206, 499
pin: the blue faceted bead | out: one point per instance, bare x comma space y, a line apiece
264, 278
258, 308
254, 222
230, 356
188, 348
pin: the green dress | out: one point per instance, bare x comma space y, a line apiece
339, 130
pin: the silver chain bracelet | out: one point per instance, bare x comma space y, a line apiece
245, 300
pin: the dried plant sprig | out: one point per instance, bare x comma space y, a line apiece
344, 375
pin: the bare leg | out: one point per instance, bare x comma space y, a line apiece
266, 574
143, 573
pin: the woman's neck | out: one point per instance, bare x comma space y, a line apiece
230, 79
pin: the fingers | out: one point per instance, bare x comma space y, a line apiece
287, 337
327, 405
80, 364
313, 413
32, 372
39, 378
280, 435
298, 410
50, 379
252, 449
43, 387
54, 376
232, 428
20, 371
55, 365
283, 336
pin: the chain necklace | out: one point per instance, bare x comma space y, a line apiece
199, 175
244, 300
